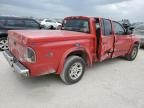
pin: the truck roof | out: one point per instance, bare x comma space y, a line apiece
82, 17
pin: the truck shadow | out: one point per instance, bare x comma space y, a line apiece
41, 81
52, 79
106, 62
47, 87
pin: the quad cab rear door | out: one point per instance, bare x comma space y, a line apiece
106, 41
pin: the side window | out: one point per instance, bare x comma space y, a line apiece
118, 29
106, 27
10, 22
19, 23
97, 25
48, 21
102, 27
15, 22
31, 23
2, 22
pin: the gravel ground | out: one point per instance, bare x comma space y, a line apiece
115, 83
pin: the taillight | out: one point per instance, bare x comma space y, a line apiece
29, 55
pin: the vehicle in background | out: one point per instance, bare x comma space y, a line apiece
14, 23
141, 41
39, 20
59, 20
81, 42
51, 24
139, 31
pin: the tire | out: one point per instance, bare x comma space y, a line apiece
142, 46
73, 71
3, 44
51, 27
133, 53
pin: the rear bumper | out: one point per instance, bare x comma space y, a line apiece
16, 65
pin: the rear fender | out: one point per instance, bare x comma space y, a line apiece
65, 55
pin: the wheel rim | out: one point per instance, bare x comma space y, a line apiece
134, 53
76, 70
3, 44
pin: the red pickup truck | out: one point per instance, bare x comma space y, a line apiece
66, 52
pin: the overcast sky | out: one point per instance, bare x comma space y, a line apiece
115, 9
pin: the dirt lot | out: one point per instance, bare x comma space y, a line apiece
114, 83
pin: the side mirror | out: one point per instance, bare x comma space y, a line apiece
130, 30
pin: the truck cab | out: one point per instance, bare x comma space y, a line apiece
81, 42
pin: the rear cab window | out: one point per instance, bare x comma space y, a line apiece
76, 24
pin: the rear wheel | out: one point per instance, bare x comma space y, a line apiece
133, 53
73, 71
3, 44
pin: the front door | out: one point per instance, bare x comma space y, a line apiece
106, 44
122, 41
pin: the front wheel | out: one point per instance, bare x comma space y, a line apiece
73, 71
133, 53
3, 44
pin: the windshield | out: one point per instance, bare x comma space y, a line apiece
78, 25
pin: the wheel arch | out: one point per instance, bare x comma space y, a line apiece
135, 43
81, 52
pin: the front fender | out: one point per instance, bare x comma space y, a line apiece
135, 40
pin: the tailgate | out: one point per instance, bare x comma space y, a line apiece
17, 44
